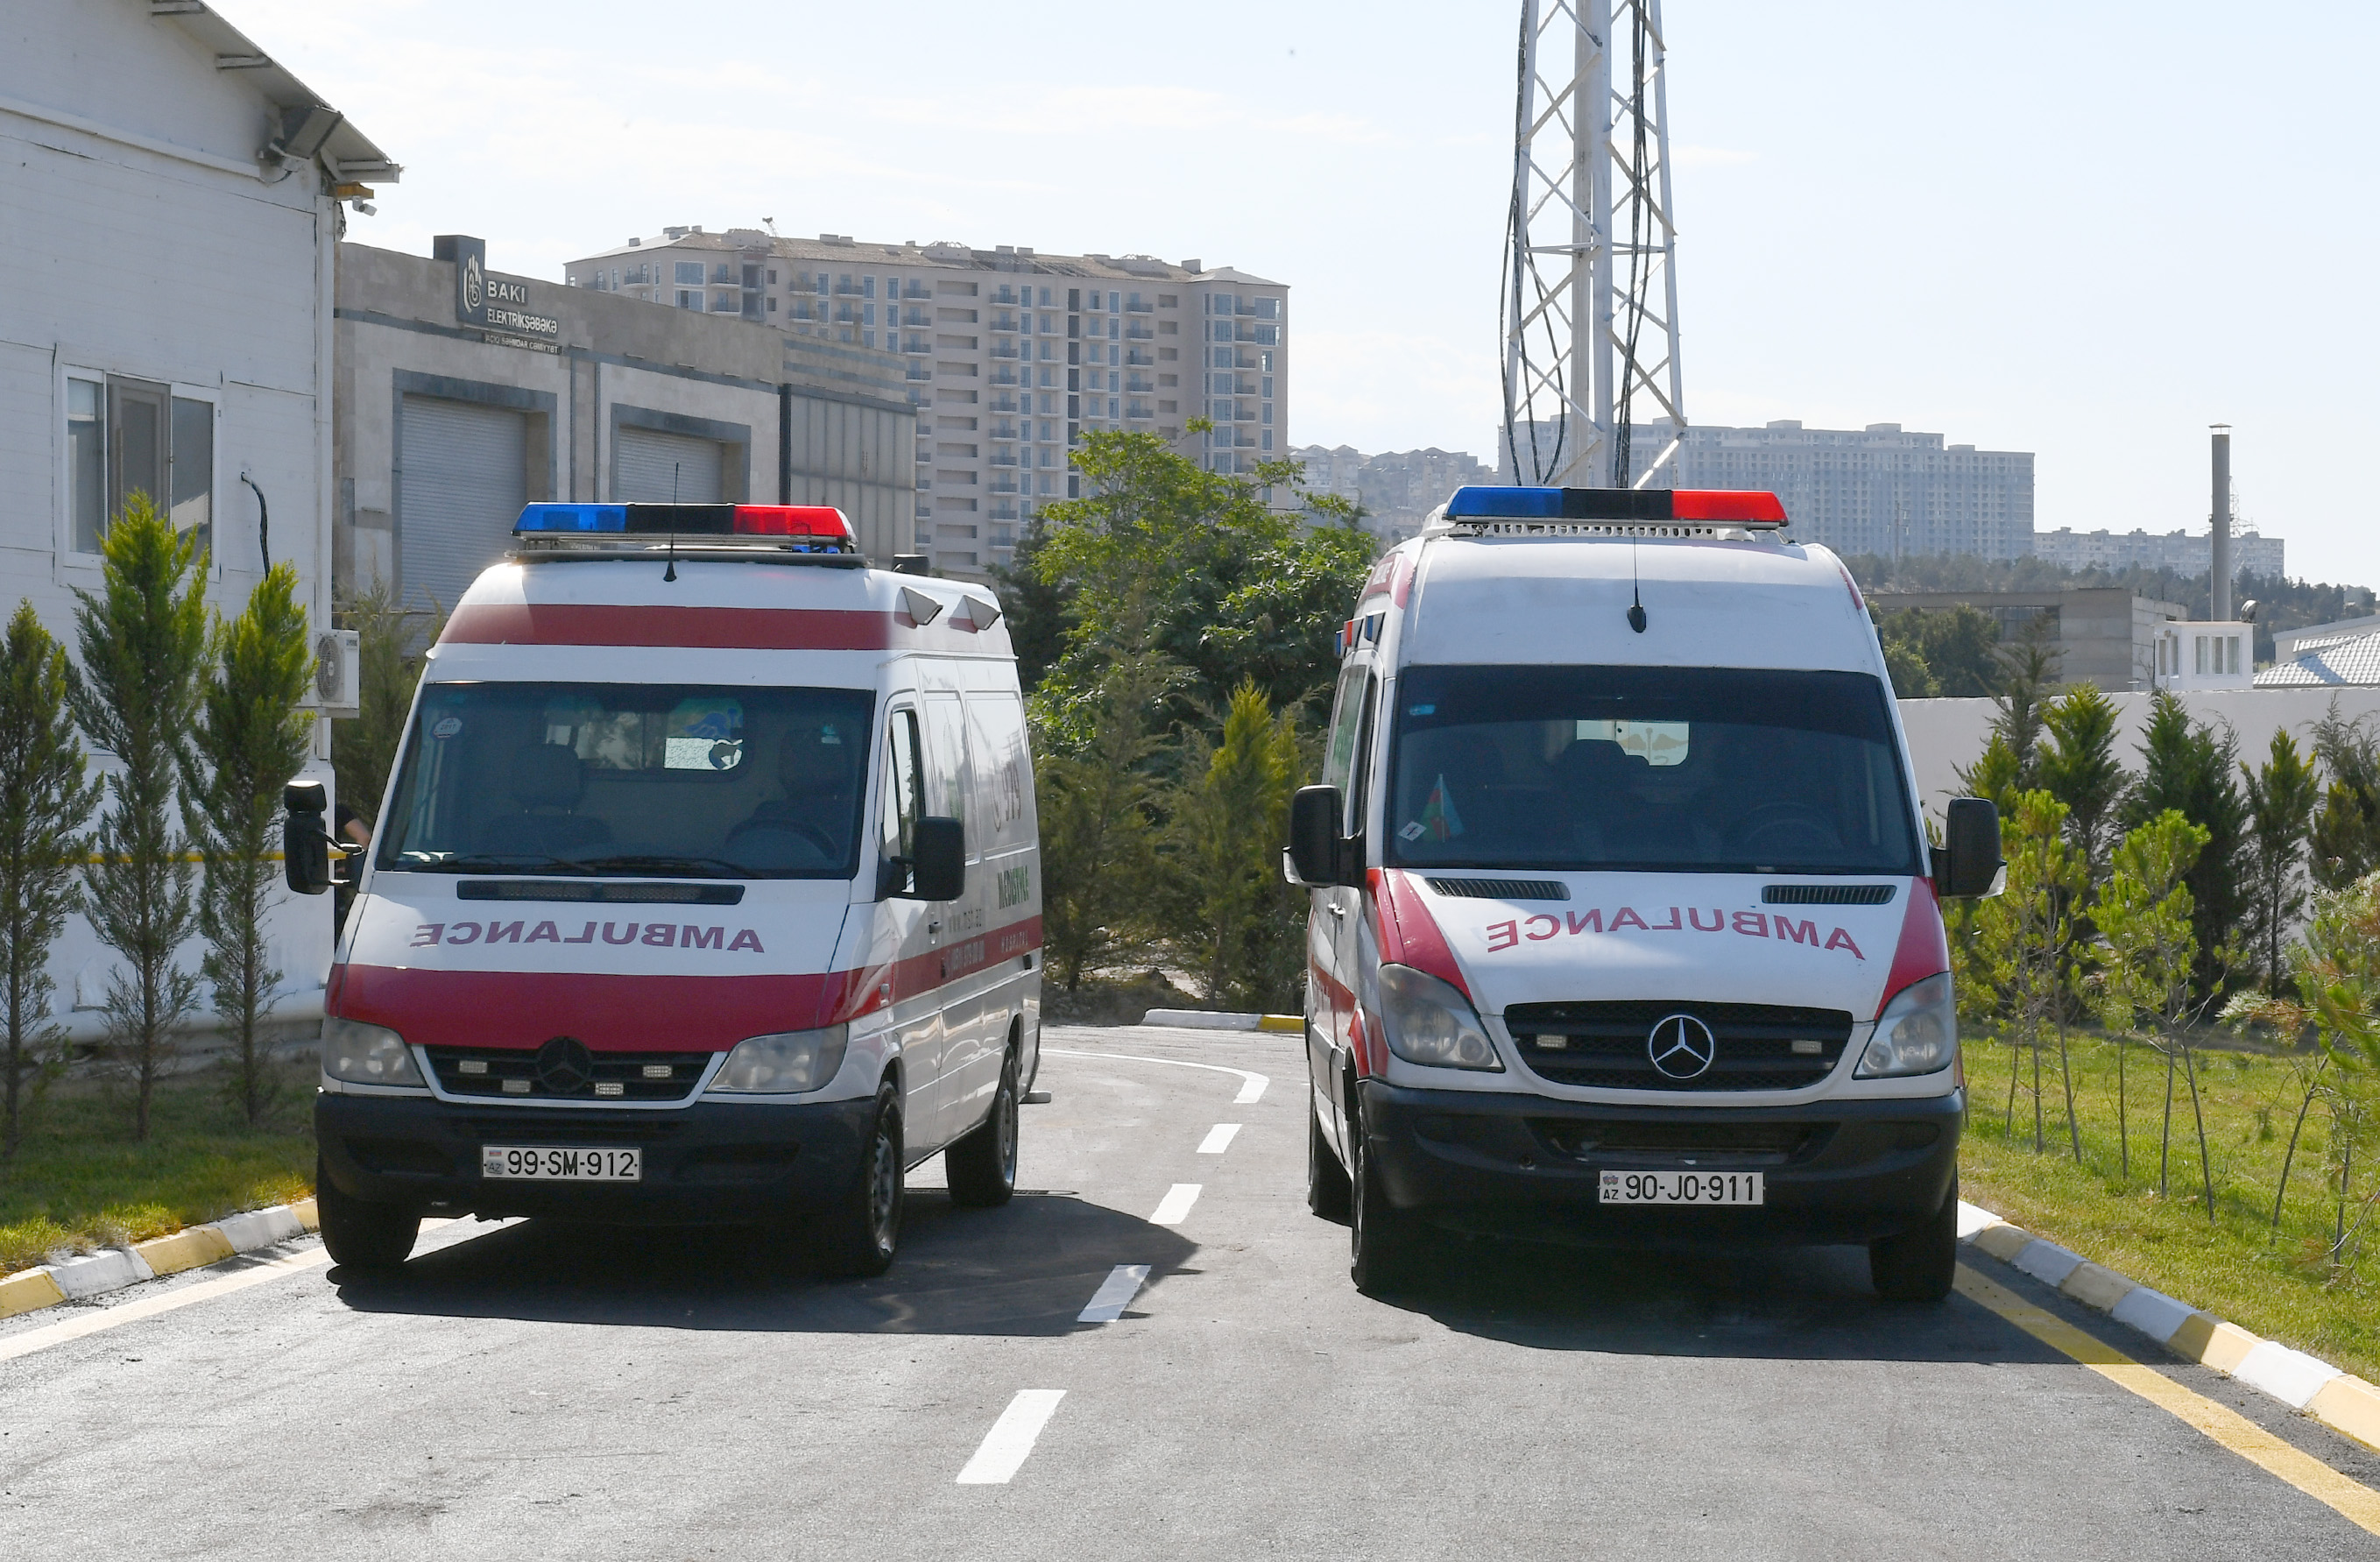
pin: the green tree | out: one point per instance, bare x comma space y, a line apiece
1038, 610
1098, 802
2078, 766
45, 796
251, 739
2281, 798
2016, 955
142, 635
1234, 913
392, 645
1957, 649
2147, 954
1995, 774
2188, 767
1904, 664
2028, 671
2345, 842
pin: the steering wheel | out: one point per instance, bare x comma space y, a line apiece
1786, 825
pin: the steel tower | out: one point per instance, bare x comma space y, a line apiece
1590, 289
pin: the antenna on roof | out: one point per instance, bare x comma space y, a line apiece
670, 573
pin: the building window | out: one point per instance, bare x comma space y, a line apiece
130, 436
688, 272
688, 299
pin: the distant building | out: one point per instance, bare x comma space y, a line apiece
1398, 488
2289, 644
1009, 355
1879, 489
2105, 634
2326, 661
2184, 553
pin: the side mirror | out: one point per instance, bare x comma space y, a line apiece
938, 868
1969, 861
305, 844
1318, 856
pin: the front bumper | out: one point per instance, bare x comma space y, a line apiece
703, 1162
1525, 1166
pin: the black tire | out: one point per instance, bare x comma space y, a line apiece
1383, 1241
982, 1166
361, 1236
1327, 1191
859, 1231
1918, 1264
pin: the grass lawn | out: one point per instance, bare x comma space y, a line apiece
79, 1182
2235, 1266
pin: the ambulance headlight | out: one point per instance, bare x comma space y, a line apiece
1917, 1033
785, 1063
358, 1053
1430, 1022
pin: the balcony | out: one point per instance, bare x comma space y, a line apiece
1007, 404
1139, 385
1007, 295
1004, 485
915, 343
917, 371
1139, 357
1004, 430
847, 289
1138, 330
1006, 349
1138, 305
1138, 411
1007, 376
1002, 460
1006, 322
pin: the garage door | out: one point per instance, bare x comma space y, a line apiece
463, 480
651, 464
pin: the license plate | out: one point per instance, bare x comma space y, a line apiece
535, 1163
1682, 1188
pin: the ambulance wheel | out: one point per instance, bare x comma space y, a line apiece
1383, 1241
982, 1166
363, 1236
1327, 1190
859, 1231
1917, 1265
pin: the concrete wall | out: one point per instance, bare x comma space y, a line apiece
616, 362
144, 240
1945, 735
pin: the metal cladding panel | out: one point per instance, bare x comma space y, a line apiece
1565, 600
464, 479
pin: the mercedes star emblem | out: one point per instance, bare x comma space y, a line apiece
565, 1067
1681, 1047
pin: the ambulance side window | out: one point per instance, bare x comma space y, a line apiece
946, 776
905, 788
1359, 780
1350, 752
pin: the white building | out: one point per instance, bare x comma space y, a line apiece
1397, 488
1010, 355
2193, 654
171, 199
2184, 553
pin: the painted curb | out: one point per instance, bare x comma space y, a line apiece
2345, 1404
191, 1248
1207, 1020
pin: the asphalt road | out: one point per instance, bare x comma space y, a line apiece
530, 1391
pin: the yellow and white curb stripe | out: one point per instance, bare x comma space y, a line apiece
191, 1248
1207, 1020
2340, 1400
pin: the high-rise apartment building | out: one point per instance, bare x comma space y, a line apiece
2184, 553
1397, 488
1877, 489
1009, 355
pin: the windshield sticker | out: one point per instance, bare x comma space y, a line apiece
1439, 821
1542, 928
1421, 709
1412, 832
704, 735
446, 726
1655, 742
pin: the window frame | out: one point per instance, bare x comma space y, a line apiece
66, 533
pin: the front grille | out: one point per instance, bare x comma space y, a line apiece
1763, 1144
1604, 1044
508, 1074
1504, 889
1827, 894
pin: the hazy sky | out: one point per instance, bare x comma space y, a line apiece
2086, 230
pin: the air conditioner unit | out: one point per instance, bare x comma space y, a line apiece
337, 689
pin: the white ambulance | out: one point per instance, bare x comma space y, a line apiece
706, 888
1625, 927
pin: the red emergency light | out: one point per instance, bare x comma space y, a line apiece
791, 521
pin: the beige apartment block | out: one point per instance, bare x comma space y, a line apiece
1009, 355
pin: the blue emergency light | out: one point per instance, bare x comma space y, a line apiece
1735, 507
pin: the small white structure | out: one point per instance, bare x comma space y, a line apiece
2337, 662
2205, 655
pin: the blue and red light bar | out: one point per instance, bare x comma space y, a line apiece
1748, 507
820, 523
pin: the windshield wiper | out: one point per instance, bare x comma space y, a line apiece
657, 862
496, 862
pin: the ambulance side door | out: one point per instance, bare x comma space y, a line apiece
948, 928
1334, 928
901, 939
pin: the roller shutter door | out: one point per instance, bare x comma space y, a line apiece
463, 477
649, 461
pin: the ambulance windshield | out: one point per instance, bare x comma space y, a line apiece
1686, 769
640, 779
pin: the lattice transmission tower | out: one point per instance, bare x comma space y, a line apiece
1590, 288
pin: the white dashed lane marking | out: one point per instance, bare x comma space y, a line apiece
1174, 1208
1115, 1294
1218, 1139
1005, 1447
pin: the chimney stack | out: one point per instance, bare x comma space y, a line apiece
2219, 577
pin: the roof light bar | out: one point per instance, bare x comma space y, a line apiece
1732, 506
820, 523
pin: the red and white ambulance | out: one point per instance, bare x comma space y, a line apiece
1624, 925
706, 888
